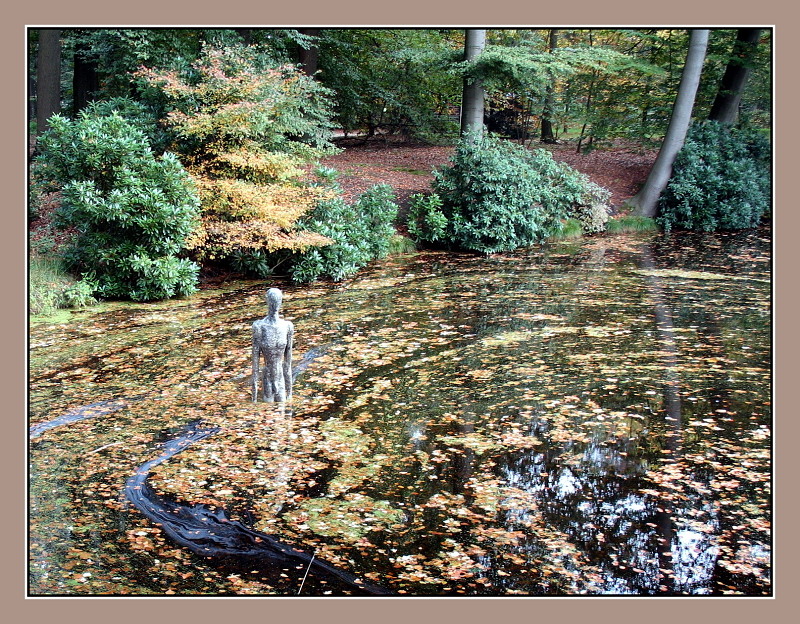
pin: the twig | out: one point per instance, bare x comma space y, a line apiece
97, 450
314, 554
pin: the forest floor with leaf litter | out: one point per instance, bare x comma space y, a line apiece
407, 167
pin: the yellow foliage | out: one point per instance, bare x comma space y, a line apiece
238, 214
256, 166
222, 237
251, 196
236, 200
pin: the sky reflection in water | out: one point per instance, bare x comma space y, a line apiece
588, 418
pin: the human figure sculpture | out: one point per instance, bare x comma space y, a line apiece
272, 341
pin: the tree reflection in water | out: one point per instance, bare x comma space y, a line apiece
573, 419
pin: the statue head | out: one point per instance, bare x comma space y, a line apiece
274, 298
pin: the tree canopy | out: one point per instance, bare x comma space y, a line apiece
249, 112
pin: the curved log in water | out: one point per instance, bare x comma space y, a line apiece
210, 533
204, 530
79, 413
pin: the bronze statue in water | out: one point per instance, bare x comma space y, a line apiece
272, 341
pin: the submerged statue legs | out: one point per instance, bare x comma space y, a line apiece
273, 339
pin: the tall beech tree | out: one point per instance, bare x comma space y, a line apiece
85, 79
645, 202
726, 104
48, 77
308, 54
547, 135
472, 102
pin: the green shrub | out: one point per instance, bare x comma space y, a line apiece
133, 211
80, 294
426, 222
144, 117
326, 176
399, 244
50, 287
360, 231
498, 196
720, 181
377, 212
255, 262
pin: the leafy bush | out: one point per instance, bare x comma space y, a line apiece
140, 115
498, 196
426, 222
360, 232
254, 262
593, 210
50, 287
720, 181
133, 211
80, 294
245, 129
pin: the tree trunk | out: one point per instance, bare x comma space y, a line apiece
85, 81
645, 203
31, 96
472, 100
246, 34
48, 77
547, 114
726, 105
589, 97
309, 57
588, 109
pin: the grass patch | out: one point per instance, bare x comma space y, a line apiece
630, 223
571, 229
51, 288
47, 281
400, 244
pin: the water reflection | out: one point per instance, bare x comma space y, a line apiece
577, 419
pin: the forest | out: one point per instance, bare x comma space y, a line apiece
173, 154
529, 272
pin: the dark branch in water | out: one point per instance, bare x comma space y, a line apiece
210, 533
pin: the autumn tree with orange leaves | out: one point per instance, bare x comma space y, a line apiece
244, 131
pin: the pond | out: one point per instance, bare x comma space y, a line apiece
577, 418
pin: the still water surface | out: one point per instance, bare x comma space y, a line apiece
585, 418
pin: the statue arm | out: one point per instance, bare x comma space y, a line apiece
287, 360
256, 355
